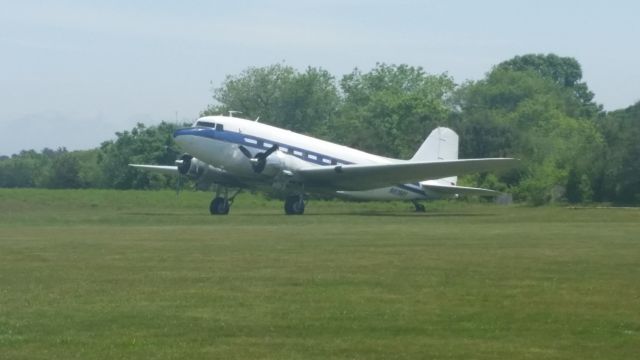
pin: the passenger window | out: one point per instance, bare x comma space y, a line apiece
219, 127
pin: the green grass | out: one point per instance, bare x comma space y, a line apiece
108, 274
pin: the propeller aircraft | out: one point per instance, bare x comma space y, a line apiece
232, 154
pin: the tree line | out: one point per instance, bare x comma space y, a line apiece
533, 107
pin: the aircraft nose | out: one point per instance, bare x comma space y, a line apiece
180, 135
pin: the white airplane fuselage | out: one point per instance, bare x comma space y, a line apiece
219, 142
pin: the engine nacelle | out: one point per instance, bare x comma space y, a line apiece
190, 166
199, 171
279, 162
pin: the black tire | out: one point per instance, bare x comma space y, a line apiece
219, 206
294, 205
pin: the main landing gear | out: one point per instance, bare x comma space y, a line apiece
220, 205
419, 207
294, 205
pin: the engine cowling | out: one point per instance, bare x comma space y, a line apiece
190, 166
199, 171
274, 164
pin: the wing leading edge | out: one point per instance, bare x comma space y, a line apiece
365, 177
160, 169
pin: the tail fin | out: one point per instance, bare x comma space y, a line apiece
441, 144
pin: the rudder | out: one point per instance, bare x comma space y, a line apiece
441, 144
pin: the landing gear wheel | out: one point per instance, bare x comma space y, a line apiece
294, 205
419, 207
219, 206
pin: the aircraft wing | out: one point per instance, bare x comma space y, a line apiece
365, 177
460, 190
160, 169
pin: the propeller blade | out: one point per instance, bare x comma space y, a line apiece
259, 165
271, 150
178, 185
245, 151
184, 163
259, 161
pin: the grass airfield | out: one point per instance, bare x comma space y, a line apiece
125, 274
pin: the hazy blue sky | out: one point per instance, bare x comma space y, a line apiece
74, 72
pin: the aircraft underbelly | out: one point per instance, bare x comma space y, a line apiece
388, 193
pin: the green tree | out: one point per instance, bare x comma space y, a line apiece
278, 94
64, 171
150, 145
564, 71
89, 170
619, 178
26, 169
392, 108
529, 114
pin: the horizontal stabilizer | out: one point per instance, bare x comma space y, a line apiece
160, 169
365, 177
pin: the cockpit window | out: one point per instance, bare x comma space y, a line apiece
219, 127
206, 124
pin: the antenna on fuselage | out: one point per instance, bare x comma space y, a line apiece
257, 119
231, 112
